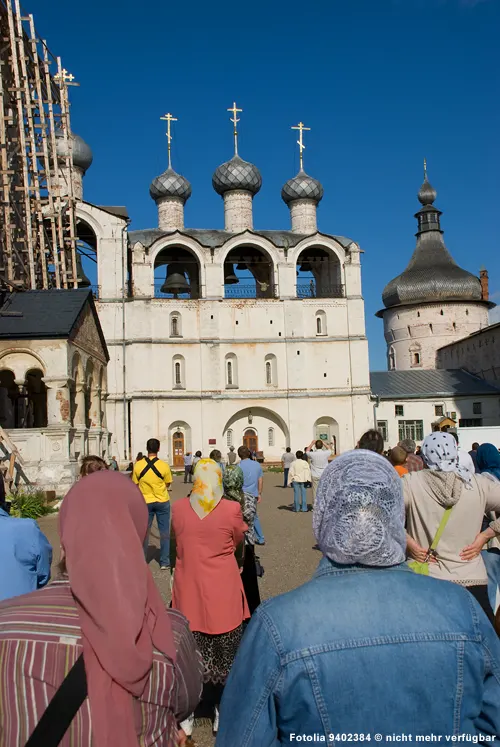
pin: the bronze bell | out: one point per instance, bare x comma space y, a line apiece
229, 276
305, 266
82, 279
175, 281
242, 265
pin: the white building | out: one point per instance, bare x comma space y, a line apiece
412, 404
220, 337
434, 301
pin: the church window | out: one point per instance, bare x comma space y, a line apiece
231, 371
418, 313
442, 312
271, 370
383, 429
175, 325
416, 359
392, 359
178, 372
438, 411
467, 312
477, 408
229, 437
320, 323
399, 411
270, 437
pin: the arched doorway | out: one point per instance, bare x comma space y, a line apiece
250, 440
178, 449
327, 430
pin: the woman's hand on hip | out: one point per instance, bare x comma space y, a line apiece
472, 551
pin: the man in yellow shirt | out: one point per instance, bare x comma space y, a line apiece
154, 478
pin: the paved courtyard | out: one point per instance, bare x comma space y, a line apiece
288, 555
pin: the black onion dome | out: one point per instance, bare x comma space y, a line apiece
302, 187
170, 184
237, 174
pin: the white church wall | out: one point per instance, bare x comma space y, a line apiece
425, 328
479, 354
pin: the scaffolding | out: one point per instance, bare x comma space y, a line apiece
37, 204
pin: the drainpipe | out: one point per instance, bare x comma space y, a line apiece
125, 432
376, 402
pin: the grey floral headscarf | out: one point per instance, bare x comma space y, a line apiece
359, 511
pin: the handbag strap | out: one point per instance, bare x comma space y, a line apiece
62, 709
441, 528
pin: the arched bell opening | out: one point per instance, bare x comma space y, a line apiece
177, 274
319, 274
248, 273
86, 256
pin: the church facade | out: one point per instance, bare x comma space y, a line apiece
223, 337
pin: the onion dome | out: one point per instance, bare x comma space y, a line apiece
170, 184
82, 153
302, 187
236, 174
432, 275
426, 194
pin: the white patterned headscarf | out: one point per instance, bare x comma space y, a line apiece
359, 511
440, 453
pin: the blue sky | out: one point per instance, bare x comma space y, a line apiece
381, 83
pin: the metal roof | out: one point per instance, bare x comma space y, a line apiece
432, 275
419, 384
216, 238
45, 314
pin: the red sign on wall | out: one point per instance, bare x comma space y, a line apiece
212, 441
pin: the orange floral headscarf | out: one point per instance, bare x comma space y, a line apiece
207, 490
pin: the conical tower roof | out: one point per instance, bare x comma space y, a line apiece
432, 274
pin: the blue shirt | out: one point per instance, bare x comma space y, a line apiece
25, 556
363, 650
252, 471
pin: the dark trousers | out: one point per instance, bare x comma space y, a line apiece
286, 470
187, 473
480, 593
160, 509
249, 579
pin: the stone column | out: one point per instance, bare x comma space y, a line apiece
58, 402
303, 215
79, 418
238, 214
171, 214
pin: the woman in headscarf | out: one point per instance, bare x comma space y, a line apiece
207, 585
316, 654
488, 463
448, 483
143, 671
233, 490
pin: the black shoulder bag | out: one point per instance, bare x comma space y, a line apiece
150, 464
62, 709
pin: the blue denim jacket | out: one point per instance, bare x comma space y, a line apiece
363, 651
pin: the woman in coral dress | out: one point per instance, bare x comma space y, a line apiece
207, 586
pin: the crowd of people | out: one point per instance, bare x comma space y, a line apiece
395, 632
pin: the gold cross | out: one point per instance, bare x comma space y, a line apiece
64, 78
168, 118
234, 119
302, 128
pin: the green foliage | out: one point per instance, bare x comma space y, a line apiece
29, 503
274, 469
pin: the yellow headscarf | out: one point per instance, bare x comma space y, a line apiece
207, 490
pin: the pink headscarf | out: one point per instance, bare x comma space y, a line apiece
103, 523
